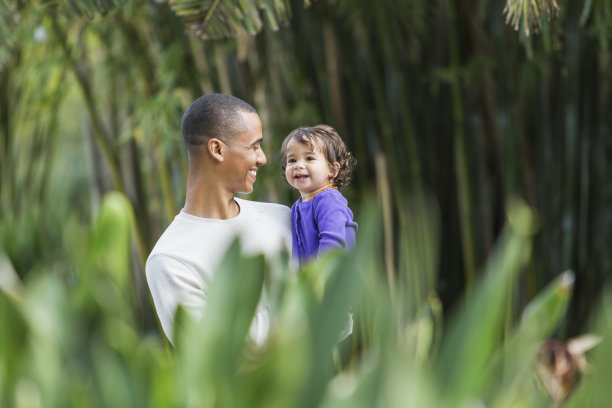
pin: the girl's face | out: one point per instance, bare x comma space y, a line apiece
306, 169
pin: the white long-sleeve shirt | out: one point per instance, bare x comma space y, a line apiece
182, 264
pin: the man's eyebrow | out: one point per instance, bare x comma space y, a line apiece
258, 141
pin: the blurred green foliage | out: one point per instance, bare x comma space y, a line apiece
74, 341
451, 114
434, 98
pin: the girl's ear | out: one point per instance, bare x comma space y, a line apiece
215, 148
335, 169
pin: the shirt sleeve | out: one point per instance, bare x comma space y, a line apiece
171, 283
331, 217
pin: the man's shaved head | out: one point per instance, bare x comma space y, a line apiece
213, 116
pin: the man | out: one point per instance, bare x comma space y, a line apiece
223, 136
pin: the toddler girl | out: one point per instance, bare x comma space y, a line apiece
317, 163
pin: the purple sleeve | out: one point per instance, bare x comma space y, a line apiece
331, 216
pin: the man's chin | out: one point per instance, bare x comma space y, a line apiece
244, 190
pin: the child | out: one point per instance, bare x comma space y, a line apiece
317, 163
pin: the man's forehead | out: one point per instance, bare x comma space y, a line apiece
247, 127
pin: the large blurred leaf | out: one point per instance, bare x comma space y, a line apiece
287, 358
510, 373
210, 351
12, 345
476, 331
110, 240
595, 391
342, 291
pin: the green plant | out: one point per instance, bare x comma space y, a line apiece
74, 342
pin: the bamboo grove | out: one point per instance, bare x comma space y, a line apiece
444, 104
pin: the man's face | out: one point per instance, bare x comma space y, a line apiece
244, 155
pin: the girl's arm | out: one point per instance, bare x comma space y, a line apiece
332, 216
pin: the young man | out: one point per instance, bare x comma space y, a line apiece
223, 136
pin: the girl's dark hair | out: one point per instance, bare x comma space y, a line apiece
333, 148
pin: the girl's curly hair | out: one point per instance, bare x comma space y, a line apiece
333, 148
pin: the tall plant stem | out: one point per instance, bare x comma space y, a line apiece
146, 63
7, 180
385, 196
463, 185
165, 182
333, 74
110, 157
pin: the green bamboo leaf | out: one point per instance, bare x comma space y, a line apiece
228, 18
112, 381
81, 8
283, 366
509, 374
543, 313
212, 350
475, 332
110, 240
343, 289
54, 335
526, 15
13, 345
418, 256
594, 391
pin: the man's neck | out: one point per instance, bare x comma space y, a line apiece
210, 201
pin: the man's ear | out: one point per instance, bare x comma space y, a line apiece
215, 148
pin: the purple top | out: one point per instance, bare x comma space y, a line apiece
321, 224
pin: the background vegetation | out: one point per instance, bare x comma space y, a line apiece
445, 105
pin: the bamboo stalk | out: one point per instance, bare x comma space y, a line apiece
7, 192
201, 65
571, 145
146, 63
463, 184
110, 157
225, 83
330, 44
384, 193
165, 182
101, 138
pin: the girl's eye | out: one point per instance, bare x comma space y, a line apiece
291, 161
310, 158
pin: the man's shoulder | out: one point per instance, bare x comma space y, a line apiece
264, 207
269, 219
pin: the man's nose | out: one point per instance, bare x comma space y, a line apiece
261, 158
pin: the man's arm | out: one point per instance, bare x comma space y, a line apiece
171, 283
